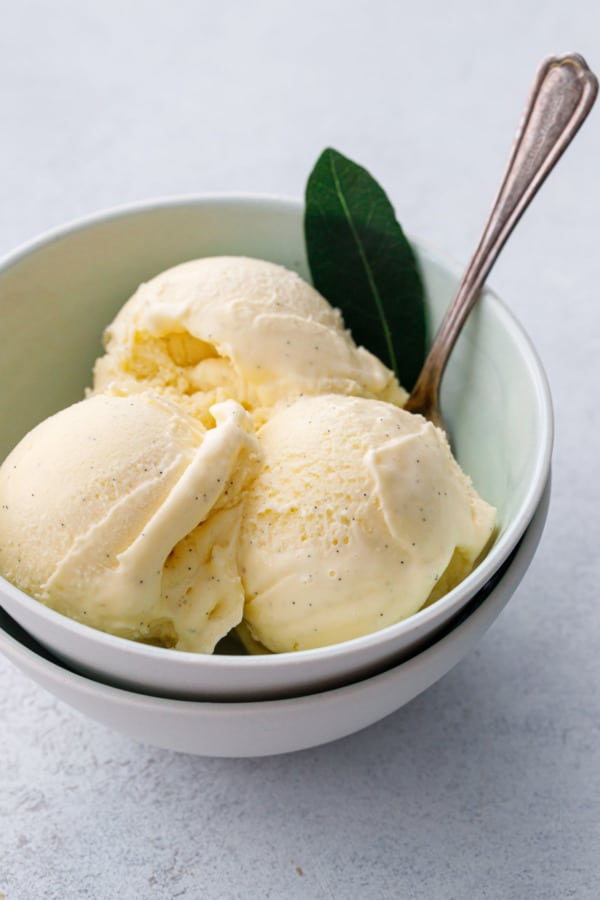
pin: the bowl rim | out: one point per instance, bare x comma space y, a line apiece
471, 585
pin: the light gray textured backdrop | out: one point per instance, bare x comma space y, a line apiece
488, 785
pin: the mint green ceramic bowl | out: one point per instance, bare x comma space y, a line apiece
58, 293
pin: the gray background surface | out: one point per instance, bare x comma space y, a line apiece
488, 785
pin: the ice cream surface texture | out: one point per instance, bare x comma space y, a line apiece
233, 327
359, 514
239, 460
123, 513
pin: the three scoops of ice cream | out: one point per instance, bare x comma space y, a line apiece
239, 462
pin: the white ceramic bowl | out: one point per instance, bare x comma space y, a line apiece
261, 728
58, 293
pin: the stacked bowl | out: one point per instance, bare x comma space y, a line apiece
56, 297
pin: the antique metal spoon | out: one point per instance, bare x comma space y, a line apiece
563, 92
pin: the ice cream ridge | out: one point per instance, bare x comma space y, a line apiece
238, 463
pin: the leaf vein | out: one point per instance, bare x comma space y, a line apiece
366, 266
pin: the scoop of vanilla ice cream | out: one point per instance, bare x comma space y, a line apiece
235, 327
123, 513
358, 512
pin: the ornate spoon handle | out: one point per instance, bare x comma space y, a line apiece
562, 95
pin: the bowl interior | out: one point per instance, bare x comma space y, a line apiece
495, 399
58, 294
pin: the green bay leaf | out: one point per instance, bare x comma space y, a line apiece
361, 261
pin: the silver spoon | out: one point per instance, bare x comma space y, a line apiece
563, 92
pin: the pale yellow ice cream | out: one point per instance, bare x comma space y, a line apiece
233, 327
358, 515
124, 513
239, 458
